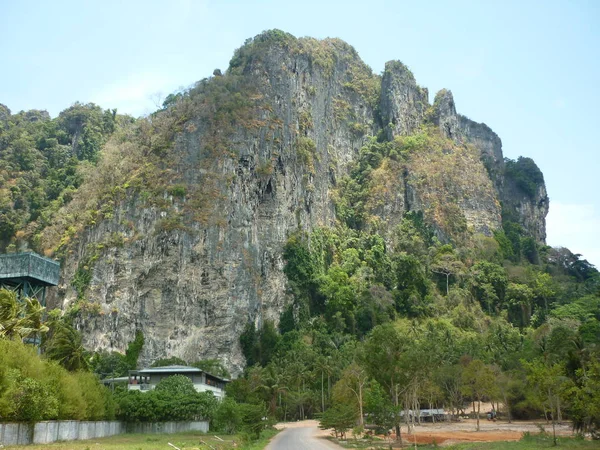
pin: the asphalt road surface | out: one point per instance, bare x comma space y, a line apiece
301, 438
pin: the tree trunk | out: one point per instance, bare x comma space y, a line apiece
322, 394
507, 409
360, 406
398, 433
447, 280
553, 417
478, 409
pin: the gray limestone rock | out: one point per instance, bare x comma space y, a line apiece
193, 287
403, 103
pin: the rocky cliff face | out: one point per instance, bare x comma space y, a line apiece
258, 162
403, 103
528, 209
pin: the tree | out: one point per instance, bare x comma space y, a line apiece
382, 413
383, 358
478, 382
134, 349
507, 383
32, 388
259, 346
20, 318
228, 416
547, 382
450, 380
324, 366
352, 383
585, 400
447, 264
489, 283
176, 385
340, 417
212, 366
253, 419
543, 289
411, 285
519, 298
173, 399
109, 364
66, 347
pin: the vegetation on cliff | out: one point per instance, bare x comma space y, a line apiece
420, 324
399, 298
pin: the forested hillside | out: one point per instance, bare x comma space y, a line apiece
42, 163
326, 233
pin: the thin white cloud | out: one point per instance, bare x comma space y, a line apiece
138, 94
576, 227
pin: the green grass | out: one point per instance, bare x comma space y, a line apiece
188, 441
528, 442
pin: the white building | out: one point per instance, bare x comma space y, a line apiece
147, 379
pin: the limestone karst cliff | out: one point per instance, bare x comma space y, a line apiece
179, 231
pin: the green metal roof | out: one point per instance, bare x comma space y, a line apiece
29, 266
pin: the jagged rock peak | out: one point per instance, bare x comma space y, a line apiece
321, 52
403, 102
444, 114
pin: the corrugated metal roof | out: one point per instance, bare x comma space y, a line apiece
170, 369
115, 380
175, 370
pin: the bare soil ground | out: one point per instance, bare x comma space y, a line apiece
449, 433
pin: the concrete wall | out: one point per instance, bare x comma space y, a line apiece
167, 427
16, 433
70, 430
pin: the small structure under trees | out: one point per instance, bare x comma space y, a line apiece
147, 379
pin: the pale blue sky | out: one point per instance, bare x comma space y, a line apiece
529, 69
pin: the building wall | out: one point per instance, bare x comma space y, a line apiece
199, 381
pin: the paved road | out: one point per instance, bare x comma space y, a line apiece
301, 438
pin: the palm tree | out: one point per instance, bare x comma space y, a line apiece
66, 347
20, 319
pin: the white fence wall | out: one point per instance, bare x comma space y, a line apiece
70, 430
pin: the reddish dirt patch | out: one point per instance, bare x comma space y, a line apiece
441, 437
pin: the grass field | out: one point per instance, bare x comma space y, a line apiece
537, 442
528, 442
187, 441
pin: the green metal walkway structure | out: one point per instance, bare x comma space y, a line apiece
28, 274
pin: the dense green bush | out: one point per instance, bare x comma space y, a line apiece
249, 419
33, 389
173, 399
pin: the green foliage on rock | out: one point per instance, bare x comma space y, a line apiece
525, 174
41, 160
